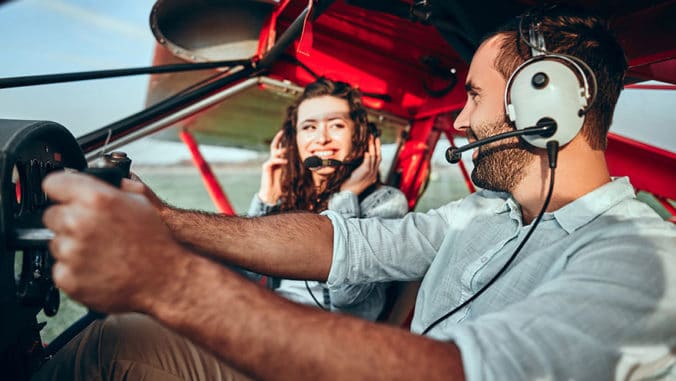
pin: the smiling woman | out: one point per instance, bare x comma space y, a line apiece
324, 129
328, 122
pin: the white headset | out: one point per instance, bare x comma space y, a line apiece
549, 87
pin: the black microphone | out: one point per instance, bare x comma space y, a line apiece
544, 127
316, 162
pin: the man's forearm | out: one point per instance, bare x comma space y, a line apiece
272, 338
261, 244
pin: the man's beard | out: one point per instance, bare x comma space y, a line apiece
500, 166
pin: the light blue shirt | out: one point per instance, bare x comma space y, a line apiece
363, 300
593, 287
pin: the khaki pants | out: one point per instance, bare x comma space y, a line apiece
133, 347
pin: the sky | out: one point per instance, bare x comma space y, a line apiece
59, 36
56, 36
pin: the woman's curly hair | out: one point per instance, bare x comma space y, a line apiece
298, 189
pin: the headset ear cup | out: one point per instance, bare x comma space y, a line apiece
544, 87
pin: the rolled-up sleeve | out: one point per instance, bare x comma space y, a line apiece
258, 208
378, 250
346, 203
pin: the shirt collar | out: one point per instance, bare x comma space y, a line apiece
579, 212
508, 203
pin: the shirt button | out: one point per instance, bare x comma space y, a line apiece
484, 259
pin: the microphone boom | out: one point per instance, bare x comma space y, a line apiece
316, 162
544, 128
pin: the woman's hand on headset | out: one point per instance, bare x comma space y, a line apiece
367, 173
271, 176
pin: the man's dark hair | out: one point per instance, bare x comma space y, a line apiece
578, 33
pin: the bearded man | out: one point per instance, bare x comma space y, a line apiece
590, 296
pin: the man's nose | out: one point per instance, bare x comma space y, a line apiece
461, 122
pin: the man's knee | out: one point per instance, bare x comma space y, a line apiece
133, 346
92, 353
132, 337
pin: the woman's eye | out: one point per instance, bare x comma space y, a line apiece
307, 127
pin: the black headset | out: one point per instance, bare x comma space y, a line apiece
549, 87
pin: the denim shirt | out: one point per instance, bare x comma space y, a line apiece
362, 300
589, 297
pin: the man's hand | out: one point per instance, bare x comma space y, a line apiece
367, 173
136, 185
113, 252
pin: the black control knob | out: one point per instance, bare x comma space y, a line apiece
540, 80
119, 160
